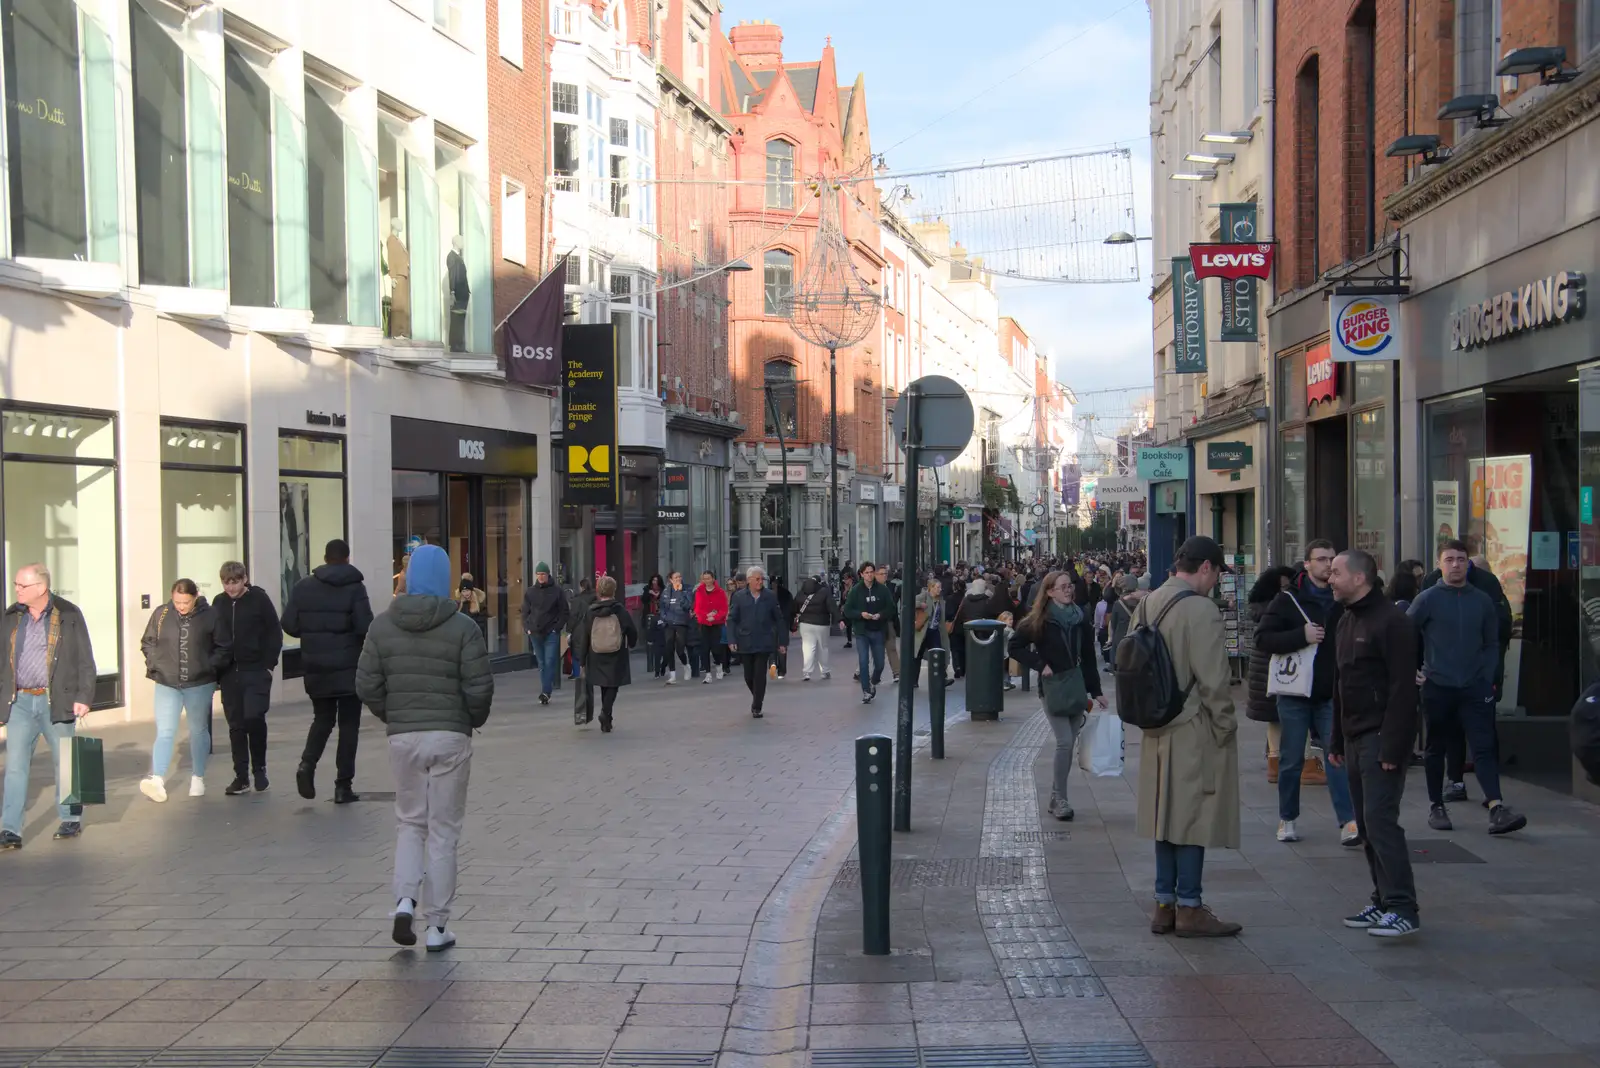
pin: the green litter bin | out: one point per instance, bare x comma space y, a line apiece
985, 668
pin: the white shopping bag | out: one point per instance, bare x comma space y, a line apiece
1100, 745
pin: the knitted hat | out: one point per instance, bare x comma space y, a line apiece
542, 567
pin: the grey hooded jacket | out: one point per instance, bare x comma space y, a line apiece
425, 667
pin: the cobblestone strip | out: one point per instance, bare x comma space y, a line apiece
1036, 953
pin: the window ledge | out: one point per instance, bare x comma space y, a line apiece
347, 338
477, 365
406, 350
206, 306
290, 324
103, 281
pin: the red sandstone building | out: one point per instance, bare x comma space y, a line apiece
518, 73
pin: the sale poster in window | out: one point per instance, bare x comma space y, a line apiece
1502, 495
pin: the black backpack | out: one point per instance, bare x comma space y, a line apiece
1148, 696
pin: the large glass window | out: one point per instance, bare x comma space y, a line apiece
418, 516
781, 404
1374, 485
564, 156
1291, 382
160, 152
202, 503
778, 278
1455, 443
1372, 381
59, 481
393, 178
311, 505
1292, 495
622, 326
505, 563
325, 185
61, 136
619, 186
251, 270
780, 174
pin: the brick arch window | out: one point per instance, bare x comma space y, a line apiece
780, 400
1307, 173
780, 173
777, 275
1361, 118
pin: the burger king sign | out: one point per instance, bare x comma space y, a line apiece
1364, 328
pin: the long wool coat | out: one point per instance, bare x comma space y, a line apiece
1189, 770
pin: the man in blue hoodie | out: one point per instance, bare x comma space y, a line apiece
677, 612
1460, 632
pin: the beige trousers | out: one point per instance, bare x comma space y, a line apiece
430, 800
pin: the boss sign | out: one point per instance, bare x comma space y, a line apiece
1231, 261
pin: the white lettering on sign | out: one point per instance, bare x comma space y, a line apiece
471, 450
1233, 259
1545, 302
533, 352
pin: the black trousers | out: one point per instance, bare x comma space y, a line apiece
711, 647
345, 712
608, 701
245, 696
1375, 794
755, 676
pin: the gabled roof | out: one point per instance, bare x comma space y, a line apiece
804, 76
844, 103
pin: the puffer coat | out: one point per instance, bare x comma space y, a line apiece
606, 669
425, 667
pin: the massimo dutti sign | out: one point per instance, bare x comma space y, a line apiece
1544, 302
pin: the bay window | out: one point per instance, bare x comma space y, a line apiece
326, 164
250, 186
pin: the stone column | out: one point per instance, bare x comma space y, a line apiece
747, 496
811, 543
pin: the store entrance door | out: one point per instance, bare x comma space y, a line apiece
1328, 491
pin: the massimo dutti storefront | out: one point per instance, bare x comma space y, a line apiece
1501, 381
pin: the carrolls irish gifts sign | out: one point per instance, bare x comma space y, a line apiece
589, 414
1188, 319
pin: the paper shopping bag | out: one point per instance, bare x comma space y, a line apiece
81, 772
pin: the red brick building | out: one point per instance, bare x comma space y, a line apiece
518, 73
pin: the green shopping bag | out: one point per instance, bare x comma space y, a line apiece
81, 774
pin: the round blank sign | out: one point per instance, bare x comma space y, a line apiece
945, 412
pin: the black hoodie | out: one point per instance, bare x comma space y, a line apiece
180, 650
330, 613
249, 636
1283, 630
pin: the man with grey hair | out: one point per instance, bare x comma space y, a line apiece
756, 629
1374, 722
47, 681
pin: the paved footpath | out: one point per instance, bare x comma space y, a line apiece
682, 894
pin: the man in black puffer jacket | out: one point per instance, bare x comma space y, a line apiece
329, 612
249, 641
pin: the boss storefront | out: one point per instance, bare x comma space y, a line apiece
467, 489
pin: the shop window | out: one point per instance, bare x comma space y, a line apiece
59, 479
160, 151
407, 210
1372, 381
619, 185
1455, 444
418, 517
1291, 382
564, 98
463, 236
780, 174
622, 327
505, 567
1374, 485
778, 277
326, 164
61, 138
781, 403
564, 157
202, 504
250, 187
1292, 495
311, 506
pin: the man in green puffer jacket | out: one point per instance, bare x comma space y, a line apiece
424, 671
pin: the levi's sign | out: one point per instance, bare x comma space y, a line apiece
1231, 261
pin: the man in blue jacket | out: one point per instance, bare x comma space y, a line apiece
1460, 632
677, 612
756, 628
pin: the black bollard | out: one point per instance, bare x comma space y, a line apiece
1025, 674
936, 661
873, 792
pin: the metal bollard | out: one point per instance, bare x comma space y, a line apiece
936, 662
1025, 674
873, 793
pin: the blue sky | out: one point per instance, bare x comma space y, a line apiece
925, 58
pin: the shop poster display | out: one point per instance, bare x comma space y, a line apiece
1502, 488
1546, 551
294, 535
1446, 514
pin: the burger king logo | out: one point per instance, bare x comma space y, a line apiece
1364, 327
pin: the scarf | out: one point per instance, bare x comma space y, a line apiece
1065, 616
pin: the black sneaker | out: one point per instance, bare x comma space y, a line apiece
261, 780
868, 695
1365, 919
1503, 819
10, 840
755, 712
73, 828
1455, 793
344, 795
305, 780
1393, 925
239, 785
544, 699
1439, 819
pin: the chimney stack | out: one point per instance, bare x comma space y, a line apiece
757, 44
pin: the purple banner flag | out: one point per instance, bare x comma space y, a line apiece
532, 333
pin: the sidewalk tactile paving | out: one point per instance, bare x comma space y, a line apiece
549, 1058
977, 1057
200, 1057
1091, 1055
948, 872
312, 1057
865, 1058
423, 1057
669, 1059
95, 1057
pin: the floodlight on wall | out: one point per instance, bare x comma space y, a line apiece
1211, 158
738, 267
1225, 137
1193, 176
1479, 107
1122, 237
1548, 62
1425, 145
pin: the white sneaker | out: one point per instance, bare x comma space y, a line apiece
440, 939
721, 674
197, 786
1286, 831
672, 678
154, 788
405, 910
706, 680
826, 675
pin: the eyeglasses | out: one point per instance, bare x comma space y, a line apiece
27, 585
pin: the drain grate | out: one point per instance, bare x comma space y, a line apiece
210, 1058
1076, 1055
670, 1059
865, 1058
95, 1057
1440, 851
312, 1057
422, 1057
1043, 836
976, 1057
20, 1058
1092, 1055
964, 871
549, 1058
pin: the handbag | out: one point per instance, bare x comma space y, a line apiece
582, 704
794, 628
81, 772
1289, 674
1064, 693
922, 618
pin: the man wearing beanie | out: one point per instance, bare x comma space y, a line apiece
425, 672
544, 617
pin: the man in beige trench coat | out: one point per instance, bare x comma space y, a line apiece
1189, 769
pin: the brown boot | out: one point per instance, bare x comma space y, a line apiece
1201, 922
1163, 919
1272, 769
1313, 773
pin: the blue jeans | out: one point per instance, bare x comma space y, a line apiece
1299, 717
547, 649
1468, 710
195, 701
30, 719
1178, 869
869, 654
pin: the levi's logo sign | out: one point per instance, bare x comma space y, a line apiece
1231, 261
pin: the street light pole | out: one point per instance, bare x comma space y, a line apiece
833, 457
783, 458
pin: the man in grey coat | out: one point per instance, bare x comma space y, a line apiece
425, 672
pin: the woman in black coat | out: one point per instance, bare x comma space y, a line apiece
1262, 707
609, 671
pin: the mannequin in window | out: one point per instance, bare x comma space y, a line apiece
400, 280
455, 269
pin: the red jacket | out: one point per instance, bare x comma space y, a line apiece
706, 603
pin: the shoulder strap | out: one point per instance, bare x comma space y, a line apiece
1169, 606
1298, 606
